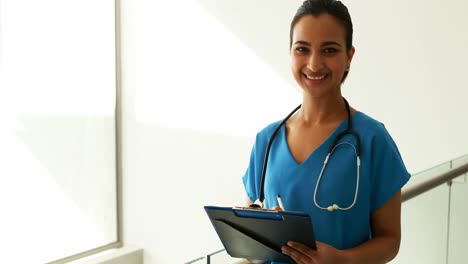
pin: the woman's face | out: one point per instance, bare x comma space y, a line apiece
319, 57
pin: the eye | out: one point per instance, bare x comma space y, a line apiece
330, 50
302, 49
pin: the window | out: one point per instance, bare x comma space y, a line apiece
57, 136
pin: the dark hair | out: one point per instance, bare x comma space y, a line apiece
331, 7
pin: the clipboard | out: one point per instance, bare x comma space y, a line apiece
260, 233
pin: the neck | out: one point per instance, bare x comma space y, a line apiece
322, 111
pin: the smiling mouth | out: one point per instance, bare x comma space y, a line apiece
315, 78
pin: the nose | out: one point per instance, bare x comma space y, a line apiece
315, 62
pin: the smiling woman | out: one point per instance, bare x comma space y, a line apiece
361, 185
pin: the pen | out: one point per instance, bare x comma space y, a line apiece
280, 202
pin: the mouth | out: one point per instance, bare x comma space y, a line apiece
315, 78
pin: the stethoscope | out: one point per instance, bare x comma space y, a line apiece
335, 144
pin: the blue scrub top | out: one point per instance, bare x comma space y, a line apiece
382, 175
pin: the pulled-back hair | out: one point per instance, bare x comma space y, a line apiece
331, 7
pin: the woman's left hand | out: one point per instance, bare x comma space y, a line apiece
302, 254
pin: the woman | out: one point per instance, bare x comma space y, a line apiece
354, 200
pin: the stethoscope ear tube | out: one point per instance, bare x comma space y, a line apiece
349, 130
344, 133
261, 196
358, 141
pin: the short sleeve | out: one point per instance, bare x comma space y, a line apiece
389, 173
250, 177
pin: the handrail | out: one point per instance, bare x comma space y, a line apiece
417, 189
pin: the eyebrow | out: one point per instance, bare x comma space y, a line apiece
326, 43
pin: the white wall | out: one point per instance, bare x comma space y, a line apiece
201, 77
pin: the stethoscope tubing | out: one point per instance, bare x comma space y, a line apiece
267, 153
357, 149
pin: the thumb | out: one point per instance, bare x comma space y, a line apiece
277, 208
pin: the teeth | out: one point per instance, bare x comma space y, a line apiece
315, 78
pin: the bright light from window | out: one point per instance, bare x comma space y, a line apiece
57, 98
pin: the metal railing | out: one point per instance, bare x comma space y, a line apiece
429, 184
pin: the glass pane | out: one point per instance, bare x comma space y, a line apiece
424, 228
57, 101
458, 231
429, 173
222, 257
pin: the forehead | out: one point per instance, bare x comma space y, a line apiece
318, 29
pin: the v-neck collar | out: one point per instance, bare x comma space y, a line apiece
320, 147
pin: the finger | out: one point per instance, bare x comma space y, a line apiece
302, 248
297, 255
277, 208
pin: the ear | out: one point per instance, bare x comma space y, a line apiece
350, 57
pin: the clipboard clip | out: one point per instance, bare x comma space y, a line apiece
255, 209
258, 213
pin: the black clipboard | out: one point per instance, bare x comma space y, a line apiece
259, 233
